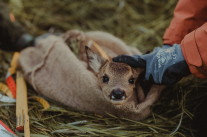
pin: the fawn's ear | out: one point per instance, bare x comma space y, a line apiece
95, 61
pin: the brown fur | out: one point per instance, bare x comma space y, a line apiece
119, 69
54, 71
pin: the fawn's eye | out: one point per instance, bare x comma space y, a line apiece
105, 79
131, 80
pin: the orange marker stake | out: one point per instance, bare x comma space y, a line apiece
9, 80
11, 84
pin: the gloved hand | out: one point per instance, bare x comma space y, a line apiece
164, 66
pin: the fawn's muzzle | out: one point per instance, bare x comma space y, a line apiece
118, 95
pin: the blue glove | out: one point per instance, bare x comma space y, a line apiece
164, 66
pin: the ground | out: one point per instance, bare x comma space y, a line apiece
139, 23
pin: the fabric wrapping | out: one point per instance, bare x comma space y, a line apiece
55, 72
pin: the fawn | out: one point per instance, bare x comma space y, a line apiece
116, 80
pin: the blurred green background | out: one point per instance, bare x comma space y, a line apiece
140, 23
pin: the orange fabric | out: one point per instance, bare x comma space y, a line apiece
194, 48
189, 15
12, 18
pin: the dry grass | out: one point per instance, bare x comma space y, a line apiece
139, 23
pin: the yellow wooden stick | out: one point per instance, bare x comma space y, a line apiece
21, 105
13, 63
100, 50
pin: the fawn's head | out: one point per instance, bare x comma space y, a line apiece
117, 80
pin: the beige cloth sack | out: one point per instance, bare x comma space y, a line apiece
55, 72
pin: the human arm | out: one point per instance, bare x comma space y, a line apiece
189, 26
188, 16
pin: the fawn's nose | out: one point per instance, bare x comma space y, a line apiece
117, 94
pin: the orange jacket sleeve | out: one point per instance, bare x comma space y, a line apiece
194, 49
188, 16
189, 26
